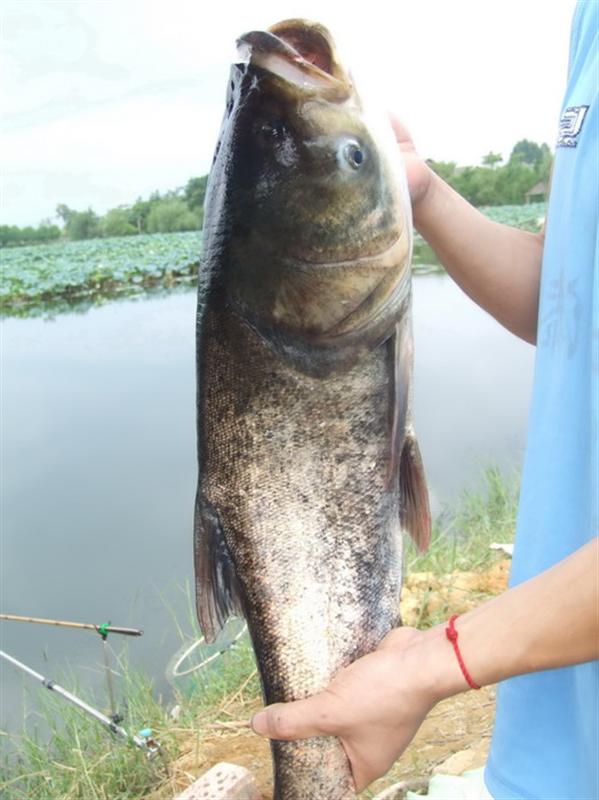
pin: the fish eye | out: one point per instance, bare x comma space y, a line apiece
353, 154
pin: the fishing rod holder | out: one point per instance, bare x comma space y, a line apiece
151, 745
145, 742
107, 628
145, 739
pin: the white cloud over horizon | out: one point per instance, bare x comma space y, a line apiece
104, 101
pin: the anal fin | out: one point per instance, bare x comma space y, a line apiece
218, 592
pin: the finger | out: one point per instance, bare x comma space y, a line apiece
298, 720
401, 132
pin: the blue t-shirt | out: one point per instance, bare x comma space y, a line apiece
545, 743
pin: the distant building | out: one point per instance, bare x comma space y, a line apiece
538, 193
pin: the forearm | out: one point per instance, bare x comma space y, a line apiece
496, 265
376, 705
547, 622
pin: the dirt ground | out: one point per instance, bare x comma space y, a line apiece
460, 725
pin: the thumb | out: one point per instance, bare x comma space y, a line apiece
402, 134
297, 720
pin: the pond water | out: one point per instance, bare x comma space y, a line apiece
98, 464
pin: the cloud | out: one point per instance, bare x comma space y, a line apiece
108, 155
126, 97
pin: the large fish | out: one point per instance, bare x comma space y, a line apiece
308, 464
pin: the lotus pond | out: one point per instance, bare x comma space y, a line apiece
50, 278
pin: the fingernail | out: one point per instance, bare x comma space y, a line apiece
258, 723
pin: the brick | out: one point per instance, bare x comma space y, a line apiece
223, 782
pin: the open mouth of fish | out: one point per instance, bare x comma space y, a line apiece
357, 287
303, 55
300, 53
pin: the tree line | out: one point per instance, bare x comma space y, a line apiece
176, 210
492, 183
496, 183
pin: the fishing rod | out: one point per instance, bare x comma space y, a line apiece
143, 739
103, 630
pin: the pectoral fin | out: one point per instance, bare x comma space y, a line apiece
400, 351
414, 512
405, 458
218, 592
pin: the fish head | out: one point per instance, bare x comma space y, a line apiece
312, 208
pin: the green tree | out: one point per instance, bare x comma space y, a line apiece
47, 232
444, 169
513, 181
195, 192
527, 152
79, 224
117, 222
495, 184
172, 214
544, 166
64, 212
478, 185
83, 225
139, 214
492, 159
12, 235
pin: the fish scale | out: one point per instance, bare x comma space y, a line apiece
310, 523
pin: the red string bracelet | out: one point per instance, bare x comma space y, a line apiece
452, 635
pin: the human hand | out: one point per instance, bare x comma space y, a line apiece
418, 173
374, 706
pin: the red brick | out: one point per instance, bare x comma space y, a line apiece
223, 782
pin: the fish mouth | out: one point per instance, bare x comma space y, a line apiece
299, 52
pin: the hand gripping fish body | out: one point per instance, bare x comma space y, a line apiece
308, 464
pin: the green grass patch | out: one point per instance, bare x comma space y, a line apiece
64, 753
462, 536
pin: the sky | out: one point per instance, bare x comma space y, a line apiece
104, 101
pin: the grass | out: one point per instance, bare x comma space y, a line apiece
460, 570
80, 760
63, 753
66, 754
461, 536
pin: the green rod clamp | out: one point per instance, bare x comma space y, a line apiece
103, 630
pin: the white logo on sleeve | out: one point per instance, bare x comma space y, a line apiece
570, 125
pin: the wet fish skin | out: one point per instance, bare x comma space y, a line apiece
297, 469
308, 466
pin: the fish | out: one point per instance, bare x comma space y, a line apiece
309, 468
